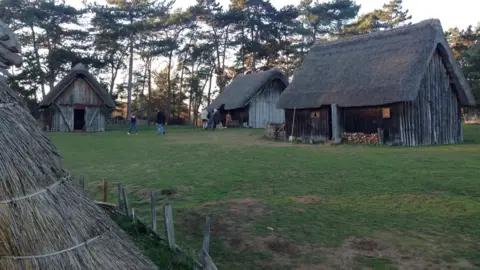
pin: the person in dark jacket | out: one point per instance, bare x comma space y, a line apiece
160, 122
133, 124
216, 118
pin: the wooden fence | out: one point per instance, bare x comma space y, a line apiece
124, 208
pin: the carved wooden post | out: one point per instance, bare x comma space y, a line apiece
335, 125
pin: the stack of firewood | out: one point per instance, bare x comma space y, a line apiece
360, 138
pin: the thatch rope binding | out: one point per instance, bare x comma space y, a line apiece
35, 193
4, 105
56, 252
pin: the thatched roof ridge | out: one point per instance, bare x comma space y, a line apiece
46, 222
78, 71
244, 87
373, 69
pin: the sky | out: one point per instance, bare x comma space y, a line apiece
458, 13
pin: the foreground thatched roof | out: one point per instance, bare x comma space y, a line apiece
78, 71
244, 87
46, 222
373, 69
42, 213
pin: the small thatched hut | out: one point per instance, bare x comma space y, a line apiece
77, 103
251, 98
403, 84
46, 222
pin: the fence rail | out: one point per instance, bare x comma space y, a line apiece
124, 208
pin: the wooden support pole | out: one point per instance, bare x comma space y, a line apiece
206, 235
81, 182
169, 225
153, 201
120, 192
125, 202
335, 125
105, 190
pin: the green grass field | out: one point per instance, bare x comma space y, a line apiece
281, 206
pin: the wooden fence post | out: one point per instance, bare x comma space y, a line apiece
154, 211
206, 235
208, 263
120, 194
169, 225
105, 189
125, 202
81, 182
133, 214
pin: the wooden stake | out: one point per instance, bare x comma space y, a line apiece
105, 190
169, 225
81, 182
206, 235
119, 192
153, 201
125, 202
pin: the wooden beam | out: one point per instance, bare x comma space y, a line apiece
335, 125
64, 117
169, 225
153, 201
93, 117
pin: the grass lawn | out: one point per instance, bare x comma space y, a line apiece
281, 206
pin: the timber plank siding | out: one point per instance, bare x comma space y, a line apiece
79, 92
435, 116
262, 108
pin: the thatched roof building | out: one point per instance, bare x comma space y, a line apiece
384, 68
77, 102
252, 97
46, 222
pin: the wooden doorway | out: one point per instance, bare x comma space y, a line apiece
79, 119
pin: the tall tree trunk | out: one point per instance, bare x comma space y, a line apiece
169, 87
149, 91
209, 95
181, 89
37, 58
130, 78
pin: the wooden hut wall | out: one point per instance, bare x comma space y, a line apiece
79, 92
435, 116
262, 108
63, 108
95, 119
62, 119
310, 124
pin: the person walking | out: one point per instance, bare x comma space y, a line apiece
204, 119
216, 118
133, 124
228, 120
160, 122
210, 119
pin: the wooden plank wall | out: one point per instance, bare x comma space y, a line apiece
58, 121
434, 117
263, 109
79, 92
308, 128
98, 123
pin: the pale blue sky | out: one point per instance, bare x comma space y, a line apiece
458, 13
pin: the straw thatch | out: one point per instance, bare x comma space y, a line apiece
78, 71
45, 221
373, 69
244, 87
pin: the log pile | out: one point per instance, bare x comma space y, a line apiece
360, 138
275, 130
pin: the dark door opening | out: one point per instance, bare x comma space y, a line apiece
79, 119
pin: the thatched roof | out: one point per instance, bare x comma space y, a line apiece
373, 69
46, 222
244, 87
78, 71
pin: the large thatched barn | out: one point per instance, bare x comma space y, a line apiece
251, 98
403, 84
77, 103
46, 222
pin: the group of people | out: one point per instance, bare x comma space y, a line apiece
160, 123
210, 119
